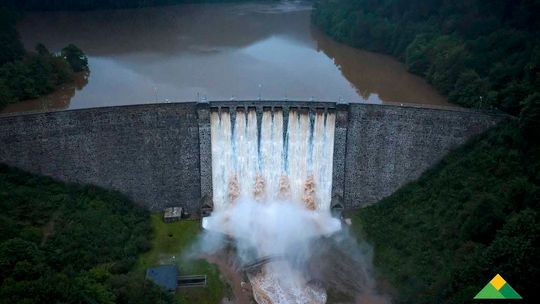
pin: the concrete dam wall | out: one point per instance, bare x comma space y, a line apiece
160, 154
150, 153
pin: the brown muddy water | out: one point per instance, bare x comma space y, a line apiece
343, 268
217, 52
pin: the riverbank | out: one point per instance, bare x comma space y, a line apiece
34, 71
57, 100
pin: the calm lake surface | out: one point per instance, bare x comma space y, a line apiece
217, 52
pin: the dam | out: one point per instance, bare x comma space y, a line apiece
272, 193
166, 154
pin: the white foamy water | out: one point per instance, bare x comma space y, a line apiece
240, 150
272, 182
280, 229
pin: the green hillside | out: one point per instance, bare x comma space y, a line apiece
63, 243
441, 238
479, 53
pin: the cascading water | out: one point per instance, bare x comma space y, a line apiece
272, 182
301, 157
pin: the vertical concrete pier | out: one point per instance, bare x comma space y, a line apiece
340, 152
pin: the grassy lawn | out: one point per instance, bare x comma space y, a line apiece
169, 243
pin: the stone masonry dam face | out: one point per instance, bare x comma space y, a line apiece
161, 154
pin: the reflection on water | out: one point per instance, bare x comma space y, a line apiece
378, 78
219, 51
58, 100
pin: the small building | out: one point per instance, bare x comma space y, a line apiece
172, 214
165, 276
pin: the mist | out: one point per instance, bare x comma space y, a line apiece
302, 253
271, 219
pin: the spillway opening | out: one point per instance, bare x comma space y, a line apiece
272, 155
272, 191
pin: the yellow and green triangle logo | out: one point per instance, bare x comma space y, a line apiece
497, 288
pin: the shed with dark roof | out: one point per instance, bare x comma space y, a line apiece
164, 276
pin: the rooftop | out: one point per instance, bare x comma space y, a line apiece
164, 276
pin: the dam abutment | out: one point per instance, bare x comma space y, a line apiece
160, 155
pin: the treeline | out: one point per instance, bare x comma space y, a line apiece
441, 238
70, 244
51, 5
483, 54
26, 75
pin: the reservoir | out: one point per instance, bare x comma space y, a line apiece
241, 51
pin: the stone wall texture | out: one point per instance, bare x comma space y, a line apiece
149, 152
160, 154
388, 146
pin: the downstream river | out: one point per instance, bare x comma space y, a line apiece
214, 52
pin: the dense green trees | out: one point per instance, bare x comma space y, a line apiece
477, 213
479, 53
75, 57
25, 75
11, 47
442, 238
70, 244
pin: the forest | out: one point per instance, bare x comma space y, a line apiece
66, 243
30, 74
441, 238
482, 54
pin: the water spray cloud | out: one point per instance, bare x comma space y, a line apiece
272, 182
